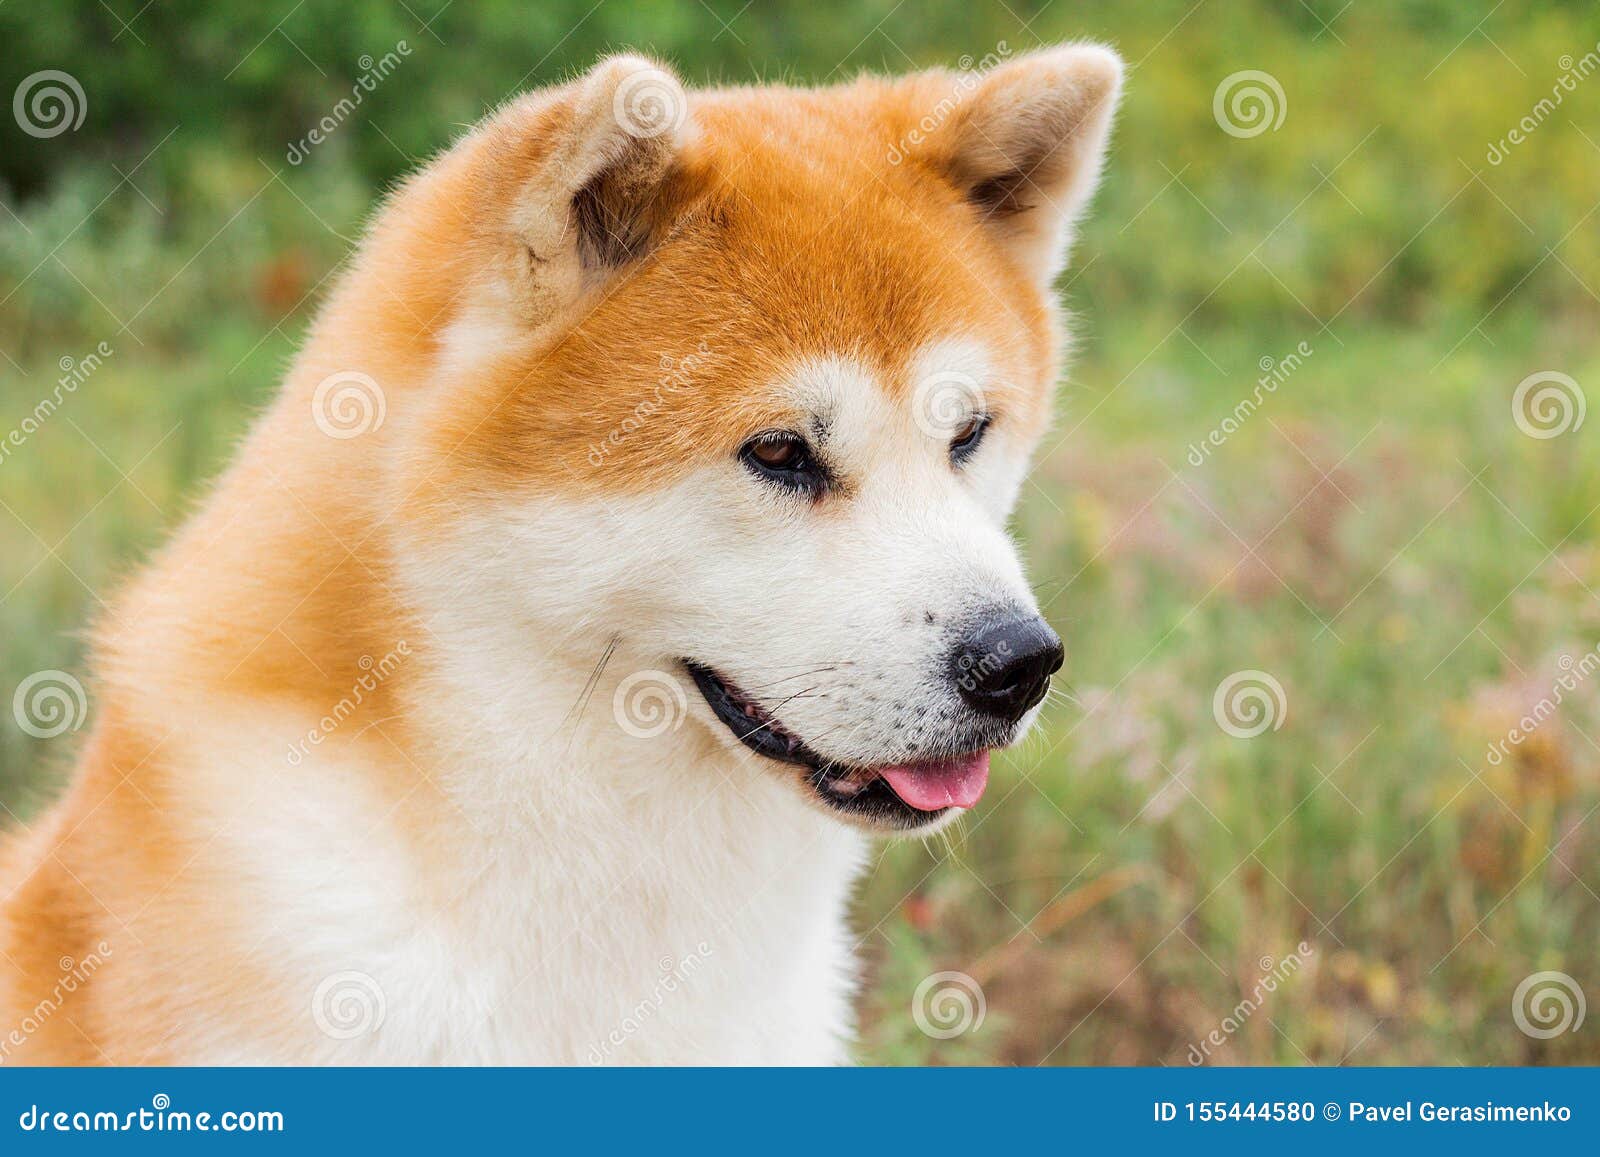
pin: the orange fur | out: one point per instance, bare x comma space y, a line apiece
777, 227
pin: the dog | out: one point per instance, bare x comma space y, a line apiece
624, 552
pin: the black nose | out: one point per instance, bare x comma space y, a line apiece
1003, 668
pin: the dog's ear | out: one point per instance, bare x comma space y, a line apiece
1025, 145
583, 178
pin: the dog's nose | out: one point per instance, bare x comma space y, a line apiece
1003, 668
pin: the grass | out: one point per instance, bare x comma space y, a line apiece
1383, 540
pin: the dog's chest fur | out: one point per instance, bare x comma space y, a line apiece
724, 943
592, 899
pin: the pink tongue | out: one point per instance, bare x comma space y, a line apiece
931, 786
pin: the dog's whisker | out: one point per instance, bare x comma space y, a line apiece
827, 662
1063, 695
787, 679
771, 725
589, 685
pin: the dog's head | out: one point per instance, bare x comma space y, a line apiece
747, 381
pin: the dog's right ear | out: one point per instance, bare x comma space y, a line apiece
581, 180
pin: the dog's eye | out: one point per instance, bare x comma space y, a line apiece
967, 438
779, 453
786, 459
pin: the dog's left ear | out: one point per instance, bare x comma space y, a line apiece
1025, 146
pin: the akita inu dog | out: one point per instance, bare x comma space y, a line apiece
625, 549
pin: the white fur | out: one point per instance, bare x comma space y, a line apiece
612, 887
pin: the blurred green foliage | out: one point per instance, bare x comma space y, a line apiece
1378, 101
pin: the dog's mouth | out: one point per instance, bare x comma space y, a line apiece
901, 795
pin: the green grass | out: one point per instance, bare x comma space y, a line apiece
1379, 536
1384, 554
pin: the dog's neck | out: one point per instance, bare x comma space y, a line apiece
623, 852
